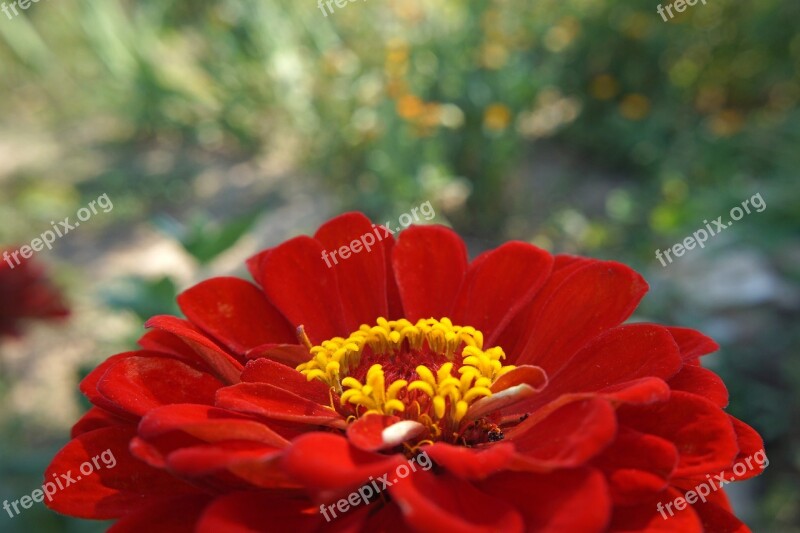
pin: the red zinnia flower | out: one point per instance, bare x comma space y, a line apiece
26, 294
512, 374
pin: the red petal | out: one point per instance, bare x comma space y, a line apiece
251, 512
96, 418
379, 432
645, 517
329, 462
88, 385
530, 375
591, 299
701, 431
157, 340
637, 465
362, 276
752, 457
567, 500
199, 461
208, 424
236, 313
498, 284
288, 354
271, 402
700, 381
692, 344
568, 436
175, 515
138, 384
717, 519
638, 391
434, 504
471, 463
619, 355
222, 364
392, 290
284, 377
429, 263
108, 492
516, 335
297, 281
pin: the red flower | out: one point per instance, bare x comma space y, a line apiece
26, 294
512, 374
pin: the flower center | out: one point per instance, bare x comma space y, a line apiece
430, 372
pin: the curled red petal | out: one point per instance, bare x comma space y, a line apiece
208, 424
269, 401
224, 366
530, 375
284, 377
288, 354
135, 385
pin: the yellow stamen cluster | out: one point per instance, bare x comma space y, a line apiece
450, 396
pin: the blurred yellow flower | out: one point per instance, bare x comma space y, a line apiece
634, 106
494, 56
397, 54
562, 34
604, 87
496, 117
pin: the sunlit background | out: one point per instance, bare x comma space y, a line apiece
220, 127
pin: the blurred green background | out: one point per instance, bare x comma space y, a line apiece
219, 127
